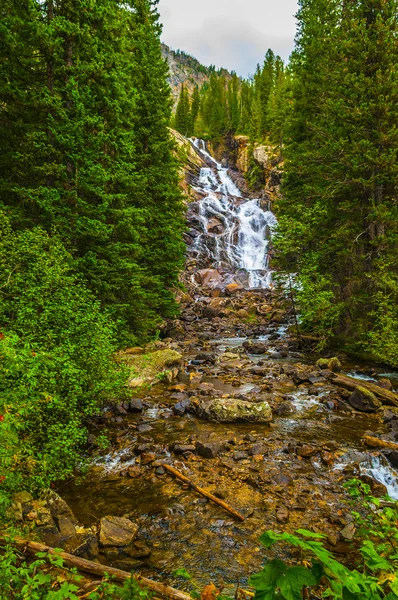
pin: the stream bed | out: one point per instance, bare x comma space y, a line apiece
234, 341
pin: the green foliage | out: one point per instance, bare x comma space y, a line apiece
56, 366
20, 580
375, 578
182, 118
338, 215
84, 114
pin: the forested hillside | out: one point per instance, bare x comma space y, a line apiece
331, 114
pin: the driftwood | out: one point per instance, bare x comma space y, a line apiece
203, 492
374, 442
351, 383
88, 566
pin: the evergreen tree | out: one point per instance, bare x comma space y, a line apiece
338, 221
233, 104
195, 108
88, 151
183, 117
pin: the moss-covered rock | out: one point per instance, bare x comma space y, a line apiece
232, 410
364, 400
147, 369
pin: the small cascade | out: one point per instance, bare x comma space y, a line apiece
231, 233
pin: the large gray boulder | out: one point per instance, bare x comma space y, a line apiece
364, 400
232, 410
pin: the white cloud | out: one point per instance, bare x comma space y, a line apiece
230, 33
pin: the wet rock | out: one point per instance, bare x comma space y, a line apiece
136, 405
208, 449
117, 531
209, 277
88, 549
306, 451
393, 458
378, 489
258, 449
232, 410
182, 448
240, 455
120, 410
284, 409
363, 400
255, 347
181, 408
233, 288
144, 428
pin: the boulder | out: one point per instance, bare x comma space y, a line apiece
117, 531
209, 277
364, 400
153, 367
232, 410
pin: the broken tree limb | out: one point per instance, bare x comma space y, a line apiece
374, 442
351, 383
203, 492
88, 566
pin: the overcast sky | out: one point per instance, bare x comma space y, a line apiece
234, 34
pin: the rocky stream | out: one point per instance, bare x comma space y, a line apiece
238, 406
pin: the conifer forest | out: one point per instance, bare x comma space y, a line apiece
198, 308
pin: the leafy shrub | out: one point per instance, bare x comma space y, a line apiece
56, 365
375, 578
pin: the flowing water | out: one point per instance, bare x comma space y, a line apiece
232, 235
233, 232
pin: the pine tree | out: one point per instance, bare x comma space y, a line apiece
338, 219
87, 119
183, 119
195, 108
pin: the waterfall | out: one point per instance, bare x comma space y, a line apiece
230, 233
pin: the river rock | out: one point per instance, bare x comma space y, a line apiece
255, 347
209, 277
233, 288
88, 549
232, 410
117, 531
363, 400
136, 405
208, 449
181, 408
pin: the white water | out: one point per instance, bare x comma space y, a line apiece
235, 232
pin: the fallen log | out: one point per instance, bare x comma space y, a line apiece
88, 566
203, 492
374, 442
351, 383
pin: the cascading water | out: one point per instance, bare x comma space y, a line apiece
232, 232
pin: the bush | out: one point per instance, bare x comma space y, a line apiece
56, 365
